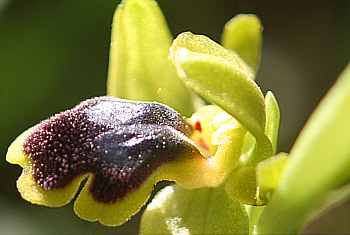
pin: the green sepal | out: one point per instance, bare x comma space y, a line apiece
318, 164
139, 68
175, 210
243, 34
222, 78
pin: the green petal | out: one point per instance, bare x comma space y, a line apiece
253, 185
255, 176
175, 210
222, 78
243, 34
319, 162
139, 68
253, 154
268, 174
272, 119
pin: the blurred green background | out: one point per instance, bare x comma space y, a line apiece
54, 54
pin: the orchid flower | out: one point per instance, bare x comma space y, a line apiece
186, 110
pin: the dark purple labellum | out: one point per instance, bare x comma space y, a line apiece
121, 142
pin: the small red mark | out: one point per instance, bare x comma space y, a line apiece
203, 144
198, 126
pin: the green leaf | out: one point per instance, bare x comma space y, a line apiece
319, 162
222, 78
175, 210
329, 199
243, 34
139, 68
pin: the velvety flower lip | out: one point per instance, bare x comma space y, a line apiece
120, 142
123, 147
